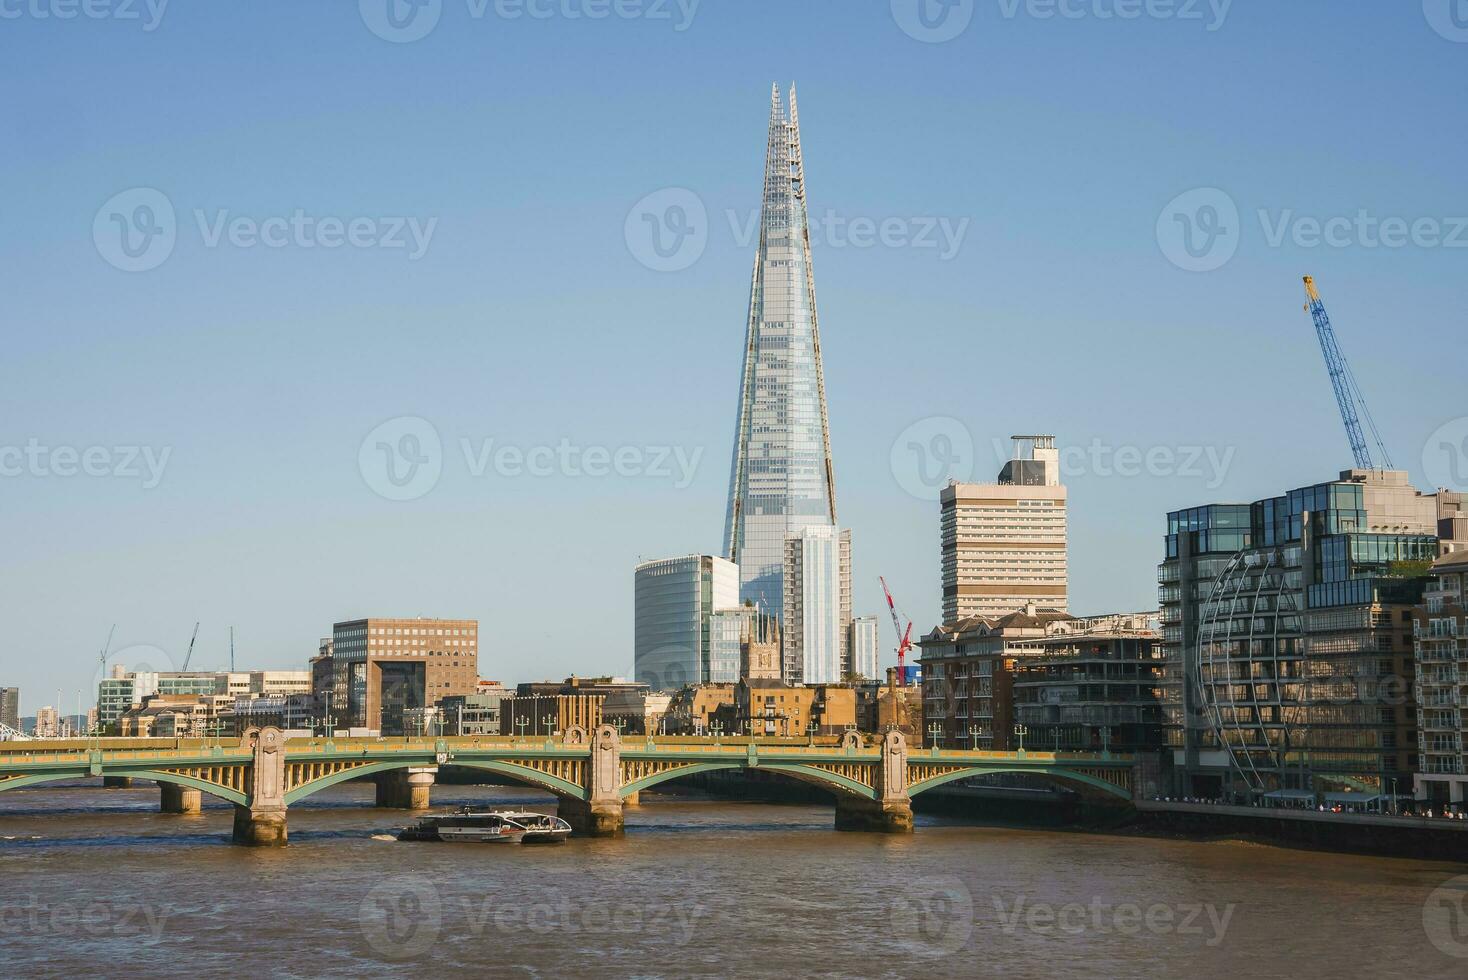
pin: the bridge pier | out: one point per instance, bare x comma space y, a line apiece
872, 816
600, 819
261, 822
180, 799
406, 789
117, 782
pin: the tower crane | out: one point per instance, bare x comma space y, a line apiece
190, 655
1347, 393
904, 634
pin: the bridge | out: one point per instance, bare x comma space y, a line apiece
593, 775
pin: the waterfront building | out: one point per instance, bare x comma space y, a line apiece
696, 709
381, 667
774, 709
674, 601
781, 476
544, 708
1440, 637
817, 605
10, 708
864, 660
475, 714
637, 712
1003, 544
968, 671
1100, 688
124, 690
1287, 634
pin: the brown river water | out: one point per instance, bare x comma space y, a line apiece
98, 882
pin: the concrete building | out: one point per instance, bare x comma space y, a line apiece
123, 690
544, 708
10, 708
478, 713
674, 600
697, 708
1440, 636
817, 604
864, 662
1287, 632
48, 722
381, 667
1004, 543
636, 712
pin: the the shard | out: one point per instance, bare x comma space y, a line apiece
781, 479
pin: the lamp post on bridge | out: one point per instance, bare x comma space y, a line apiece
1057, 739
974, 731
548, 720
935, 735
1105, 741
811, 730
1020, 732
520, 723
716, 730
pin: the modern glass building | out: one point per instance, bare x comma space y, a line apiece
817, 605
781, 476
675, 599
1287, 638
865, 654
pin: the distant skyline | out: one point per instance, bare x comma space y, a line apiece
310, 318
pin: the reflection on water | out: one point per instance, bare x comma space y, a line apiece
696, 888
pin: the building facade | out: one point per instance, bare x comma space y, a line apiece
545, 708
1287, 634
864, 661
388, 666
817, 605
1003, 544
10, 708
675, 600
781, 477
1440, 634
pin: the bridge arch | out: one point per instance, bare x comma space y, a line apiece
521, 774
178, 779
1064, 775
820, 778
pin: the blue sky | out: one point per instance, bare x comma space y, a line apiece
522, 148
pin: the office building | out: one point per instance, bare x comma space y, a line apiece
817, 605
48, 722
123, 690
1004, 543
675, 599
781, 478
10, 708
1440, 635
546, 708
475, 714
864, 653
380, 668
1287, 633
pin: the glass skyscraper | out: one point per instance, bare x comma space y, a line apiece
781, 479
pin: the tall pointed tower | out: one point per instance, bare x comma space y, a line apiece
781, 479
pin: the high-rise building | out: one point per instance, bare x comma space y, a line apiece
817, 604
1287, 635
392, 666
10, 708
674, 600
1004, 543
48, 722
865, 655
743, 642
1441, 640
781, 478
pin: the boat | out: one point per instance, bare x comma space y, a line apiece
468, 825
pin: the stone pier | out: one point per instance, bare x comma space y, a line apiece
406, 789
891, 811
261, 821
603, 814
180, 799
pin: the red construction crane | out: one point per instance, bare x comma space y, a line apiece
904, 635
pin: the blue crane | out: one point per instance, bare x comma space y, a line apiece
1347, 393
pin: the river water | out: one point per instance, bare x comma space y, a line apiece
97, 881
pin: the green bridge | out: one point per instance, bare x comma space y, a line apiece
593, 774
